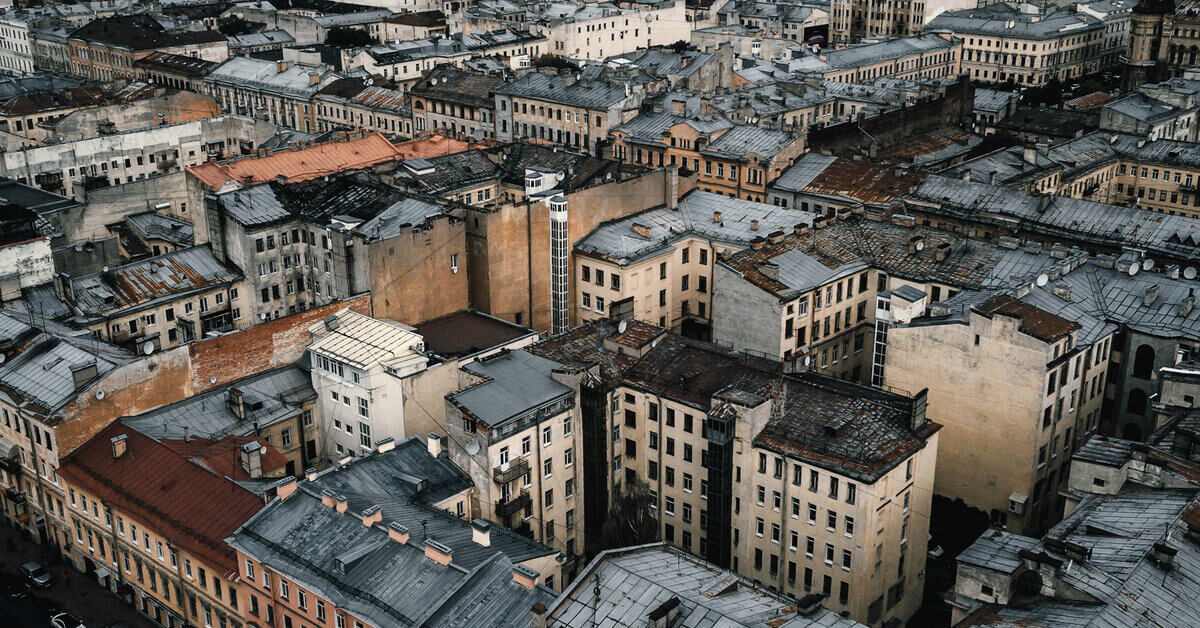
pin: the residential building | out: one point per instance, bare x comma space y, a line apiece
1116, 16
161, 548
276, 91
699, 590
24, 251
1005, 44
108, 48
275, 406
455, 100
1163, 42
158, 303
1164, 110
310, 21
796, 21
374, 380
559, 109
467, 335
361, 104
409, 26
828, 185
657, 265
851, 21
391, 562
929, 56
405, 62
173, 70
737, 474
1145, 490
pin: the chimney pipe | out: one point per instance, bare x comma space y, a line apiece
481, 532
525, 576
435, 444
341, 503
372, 515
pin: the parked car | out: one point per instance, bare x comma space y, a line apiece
65, 620
37, 575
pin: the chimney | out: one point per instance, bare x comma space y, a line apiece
916, 243
438, 552
372, 515
641, 230
481, 532
310, 474
328, 498
83, 372
664, 615
435, 444
281, 66
313, 78
775, 237
1030, 155
525, 576
1151, 296
678, 107
247, 179
770, 270
800, 229
917, 412
539, 616
340, 503
1172, 271
285, 487
757, 243
385, 445
251, 458
1163, 555
1187, 304
754, 225
1043, 149
992, 177
966, 175
716, 216
942, 251
398, 533
120, 444
234, 399
1063, 291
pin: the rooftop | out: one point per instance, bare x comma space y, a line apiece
178, 64
466, 333
452, 84
871, 54
278, 77
844, 178
141, 32
164, 492
365, 342
152, 281
516, 384
1002, 20
305, 164
565, 90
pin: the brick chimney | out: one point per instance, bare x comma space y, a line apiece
525, 576
438, 552
398, 533
285, 487
340, 503
328, 498
539, 616
372, 515
310, 474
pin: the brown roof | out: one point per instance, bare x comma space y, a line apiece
1034, 321
467, 332
1089, 102
433, 146
223, 457
864, 181
430, 19
178, 64
301, 165
921, 143
159, 488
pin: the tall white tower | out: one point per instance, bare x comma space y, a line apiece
558, 264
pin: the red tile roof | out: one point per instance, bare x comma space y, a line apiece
151, 483
301, 165
223, 456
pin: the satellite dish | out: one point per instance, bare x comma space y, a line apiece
807, 360
433, 81
148, 347
1133, 269
99, 394
1042, 279
1147, 264
262, 450
1189, 272
622, 326
472, 448
2, 358
212, 380
920, 246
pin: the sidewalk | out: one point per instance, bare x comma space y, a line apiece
81, 596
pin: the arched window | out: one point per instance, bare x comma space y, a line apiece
1136, 404
1143, 361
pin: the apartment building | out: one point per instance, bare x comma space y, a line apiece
1163, 42
455, 100
1004, 44
929, 56
172, 70
562, 110
394, 557
729, 159
375, 381
360, 104
276, 91
514, 424
1052, 392
405, 62
851, 21
162, 549
696, 420
827, 185
277, 407
597, 32
158, 303
658, 264
109, 47
785, 20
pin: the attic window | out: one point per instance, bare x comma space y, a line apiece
1098, 482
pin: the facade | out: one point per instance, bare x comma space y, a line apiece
359, 104
559, 109
455, 100
851, 21
1002, 44
275, 91
108, 48
162, 551
1163, 42
716, 434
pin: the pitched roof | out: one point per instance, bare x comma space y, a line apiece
162, 490
148, 281
300, 165
1033, 321
223, 457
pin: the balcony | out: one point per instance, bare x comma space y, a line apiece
514, 504
505, 473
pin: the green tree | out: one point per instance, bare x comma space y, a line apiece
554, 61
631, 519
348, 37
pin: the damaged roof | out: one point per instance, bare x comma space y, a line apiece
148, 282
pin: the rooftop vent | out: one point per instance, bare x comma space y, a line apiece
665, 614
120, 444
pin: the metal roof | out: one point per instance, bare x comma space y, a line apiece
365, 342
156, 280
517, 383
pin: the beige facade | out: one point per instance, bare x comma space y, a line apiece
1013, 374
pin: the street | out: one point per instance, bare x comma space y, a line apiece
79, 595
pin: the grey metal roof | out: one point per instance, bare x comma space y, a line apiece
693, 217
41, 374
1001, 20
384, 582
1105, 450
1139, 106
387, 480
650, 126
364, 342
259, 74
518, 383
870, 54
156, 226
998, 550
553, 88
802, 173
987, 99
635, 581
208, 415
743, 140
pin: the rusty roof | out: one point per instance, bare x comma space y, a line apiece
1089, 102
434, 146
161, 490
303, 164
178, 64
910, 147
1034, 321
223, 457
154, 280
863, 181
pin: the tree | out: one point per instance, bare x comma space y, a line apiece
348, 37
682, 46
554, 61
631, 519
